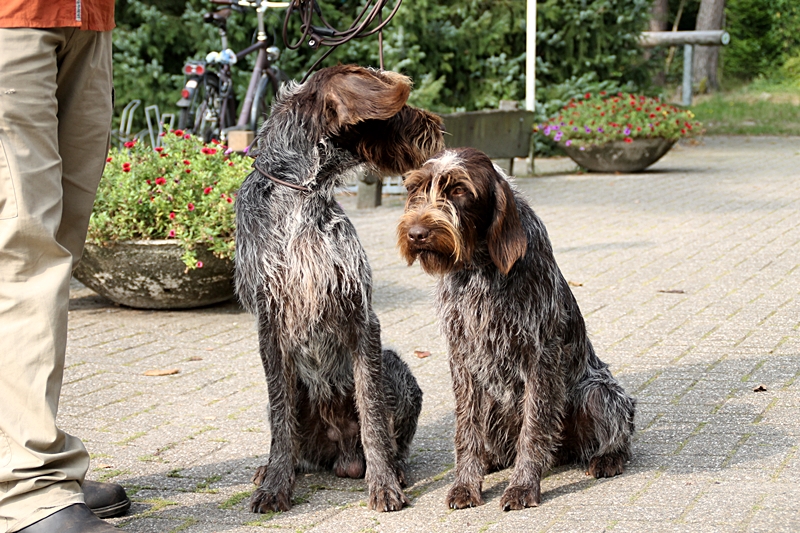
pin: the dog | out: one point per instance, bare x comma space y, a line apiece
336, 398
529, 389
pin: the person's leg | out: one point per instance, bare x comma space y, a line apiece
47, 124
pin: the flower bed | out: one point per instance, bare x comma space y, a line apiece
600, 119
183, 190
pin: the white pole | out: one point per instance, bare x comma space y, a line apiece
530, 57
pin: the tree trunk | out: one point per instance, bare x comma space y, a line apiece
659, 15
706, 58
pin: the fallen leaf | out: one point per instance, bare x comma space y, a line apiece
422, 354
672, 291
575, 283
760, 388
162, 372
195, 358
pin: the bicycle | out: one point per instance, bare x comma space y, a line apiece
208, 104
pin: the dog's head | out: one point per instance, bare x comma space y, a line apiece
460, 208
364, 112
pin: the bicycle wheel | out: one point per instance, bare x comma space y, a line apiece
266, 91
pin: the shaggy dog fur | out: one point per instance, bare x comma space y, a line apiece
336, 399
529, 389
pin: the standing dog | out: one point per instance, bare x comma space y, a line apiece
336, 398
529, 389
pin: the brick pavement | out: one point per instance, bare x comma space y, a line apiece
688, 276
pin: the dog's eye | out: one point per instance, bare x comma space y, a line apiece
458, 190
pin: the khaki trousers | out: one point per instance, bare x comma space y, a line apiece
55, 119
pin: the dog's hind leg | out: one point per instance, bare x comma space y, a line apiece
275, 479
405, 398
343, 432
609, 412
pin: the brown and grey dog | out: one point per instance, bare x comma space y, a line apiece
529, 389
336, 398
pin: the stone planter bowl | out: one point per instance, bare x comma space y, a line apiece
619, 156
150, 275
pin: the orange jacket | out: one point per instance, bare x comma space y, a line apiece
95, 15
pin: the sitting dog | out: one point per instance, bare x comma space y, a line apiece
336, 399
529, 389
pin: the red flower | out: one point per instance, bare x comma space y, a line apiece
108, 160
171, 233
163, 155
208, 151
190, 206
187, 162
230, 163
603, 93
147, 182
178, 133
187, 136
628, 140
130, 144
229, 200
159, 149
126, 167
214, 141
683, 131
188, 170
172, 216
652, 115
160, 181
587, 95
208, 190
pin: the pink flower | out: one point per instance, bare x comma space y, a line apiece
208, 190
171, 234
199, 264
172, 216
190, 206
160, 181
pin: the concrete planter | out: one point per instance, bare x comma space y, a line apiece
150, 275
619, 156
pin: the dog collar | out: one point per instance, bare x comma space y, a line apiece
280, 182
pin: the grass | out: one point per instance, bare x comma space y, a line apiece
759, 108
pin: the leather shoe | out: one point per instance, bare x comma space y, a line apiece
106, 500
76, 518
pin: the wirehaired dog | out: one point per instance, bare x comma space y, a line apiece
529, 389
336, 399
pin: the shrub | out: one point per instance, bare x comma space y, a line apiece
182, 190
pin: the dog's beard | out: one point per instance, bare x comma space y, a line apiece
444, 249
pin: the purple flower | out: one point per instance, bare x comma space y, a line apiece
627, 131
569, 141
588, 129
547, 131
575, 128
600, 130
558, 136
582, 148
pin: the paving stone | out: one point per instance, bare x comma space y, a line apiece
688, 276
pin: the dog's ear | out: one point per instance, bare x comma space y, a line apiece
506, 236
360, 94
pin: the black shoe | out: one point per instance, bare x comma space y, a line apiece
106, 500
73, 519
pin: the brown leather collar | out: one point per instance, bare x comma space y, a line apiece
280, 182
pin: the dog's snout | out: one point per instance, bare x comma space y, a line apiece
418, 234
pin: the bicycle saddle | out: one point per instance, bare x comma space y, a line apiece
218, 18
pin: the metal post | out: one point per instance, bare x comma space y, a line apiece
530, 57
688, 54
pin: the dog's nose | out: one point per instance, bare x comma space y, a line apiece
418, 234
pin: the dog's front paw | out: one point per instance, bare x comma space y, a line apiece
516, 498
266, 500
606, 466
463, 496
385, 498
